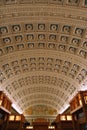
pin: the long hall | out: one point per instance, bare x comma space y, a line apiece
43, 64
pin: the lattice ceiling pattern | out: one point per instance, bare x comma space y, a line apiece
43, 51
60, 2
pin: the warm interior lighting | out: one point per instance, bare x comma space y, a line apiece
18, 118
51, 127
69, 117
0, 102
62, 118
80, 102
11, 118
29, 127
85, 98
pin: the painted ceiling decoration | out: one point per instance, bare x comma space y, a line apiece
43, 53
40, 110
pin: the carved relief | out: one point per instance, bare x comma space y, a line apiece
62, 47
52, 37
30, 37
41, 27
7, 70
75, 42
41, 59
54, 27
41, 45
64, 70
16, 68
18, 38
3, 30
9, 49
29, 27
83, 53
16, 28
66, 29
72, 50
85, 45
7, 40
20, 46
62, 2
41, 36
30, 45
79, 31
64, 38
84, 72
2, 77
56, 67
51, 45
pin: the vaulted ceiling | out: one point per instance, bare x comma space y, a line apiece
43, 53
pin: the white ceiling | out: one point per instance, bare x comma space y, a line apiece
43, 51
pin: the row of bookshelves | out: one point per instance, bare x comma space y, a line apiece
79, 100
4, 101
73, 120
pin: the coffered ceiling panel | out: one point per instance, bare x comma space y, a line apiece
43, 52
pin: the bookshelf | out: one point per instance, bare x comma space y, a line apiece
78, 107
5, 106
16, 122
64, 122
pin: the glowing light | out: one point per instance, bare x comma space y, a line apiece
85, 98
69, 117
51, 127
11, 118
18, 118
0, 102
29, 127
63, 118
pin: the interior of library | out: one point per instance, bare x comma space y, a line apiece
43, 64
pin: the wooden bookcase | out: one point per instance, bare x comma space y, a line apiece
5, 105
40, 125
64, 122
78, 106
16, 122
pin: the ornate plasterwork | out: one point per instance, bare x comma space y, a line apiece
66, 38
40, 110
59, 2
43, 52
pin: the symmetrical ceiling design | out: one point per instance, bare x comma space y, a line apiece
43, 51
40, 110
